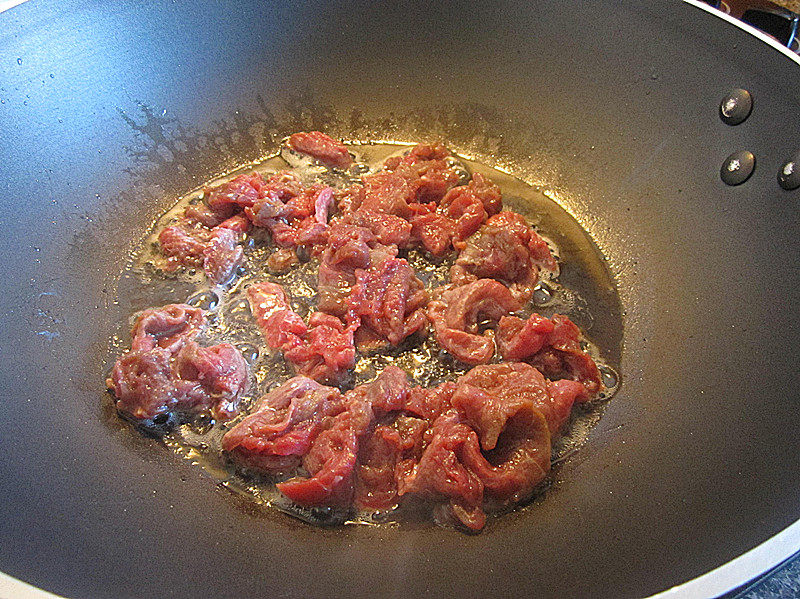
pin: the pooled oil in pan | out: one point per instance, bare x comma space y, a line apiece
584, 290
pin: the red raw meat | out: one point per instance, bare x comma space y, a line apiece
390, 300
222, 255
553, 346
426, 170
386, 193
442, 473
281, 326
168, 327
506, 249
433, 231
456, 315
323, 350
331, 460
166, 370
279, 432
385, 456
183, 246
322, 147
241, 192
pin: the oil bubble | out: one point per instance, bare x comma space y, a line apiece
609, 377
542, 294
205, 300
249, 352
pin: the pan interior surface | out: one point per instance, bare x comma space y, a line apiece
111, 111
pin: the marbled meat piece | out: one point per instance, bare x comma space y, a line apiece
294, 214
274, 437
388, 229
281, 326
322, 147
168, 327
217, 249
327, 352
486, 393
494, 442
182, 245
507, 249
238, 193
166, 370
456, 317
553, 346
432, 230
510, 408
389, 391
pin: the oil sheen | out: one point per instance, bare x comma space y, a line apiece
584, 290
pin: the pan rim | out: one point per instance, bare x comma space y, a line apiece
757, 33
741, 570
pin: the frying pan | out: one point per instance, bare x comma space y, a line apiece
112, 110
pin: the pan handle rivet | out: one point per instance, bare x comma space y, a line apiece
737, 167
736, 107
789, 174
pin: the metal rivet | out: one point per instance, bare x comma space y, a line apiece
789, 175
737, 167
736, 107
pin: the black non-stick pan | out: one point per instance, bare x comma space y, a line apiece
109, 111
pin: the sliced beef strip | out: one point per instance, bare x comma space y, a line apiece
387, 393
327, 352
281, 327
166, 370
507, 249
182, 245
285, 421
216, 249
432, 230
322, 147
331, 460
322, 350
384, 456
441, 472
168, 327
553, 346
428, 170
388, 229
238, 193
456, 315
487, 394
386, 193
349, 247
440, 228
222, 255
390, 301
510, 407
295, 215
